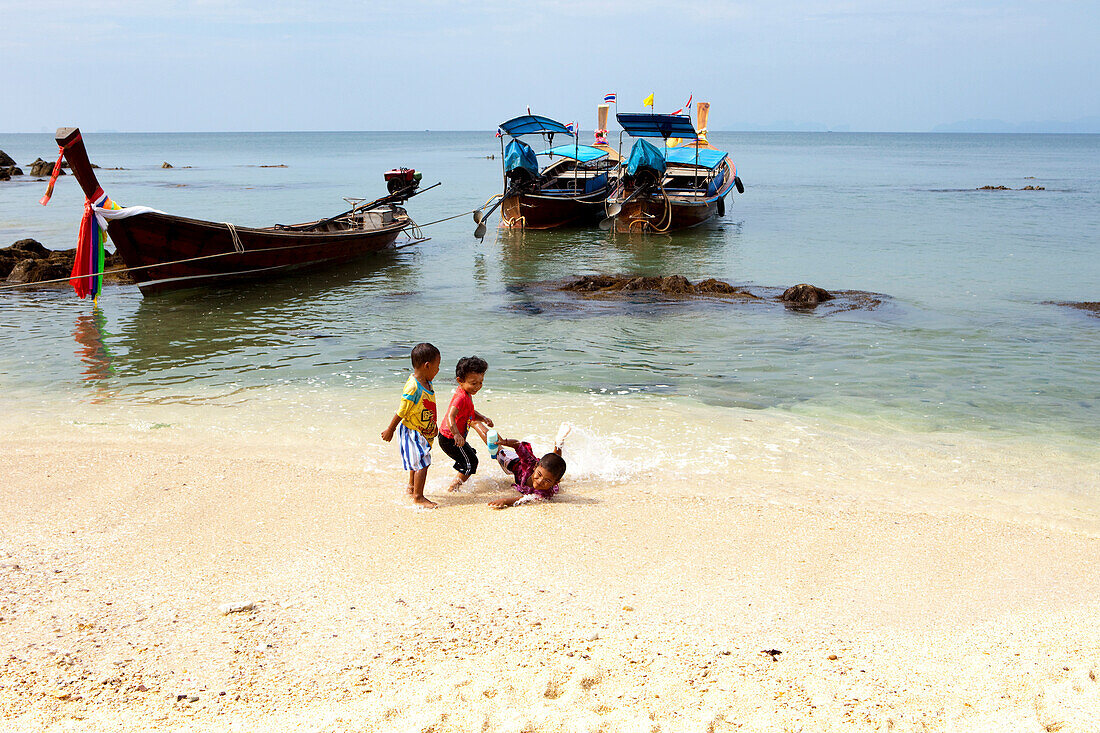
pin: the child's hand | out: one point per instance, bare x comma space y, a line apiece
487, 421
459, 440
387, 435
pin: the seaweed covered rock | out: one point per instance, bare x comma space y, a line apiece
805, 294
28, 261
667, 285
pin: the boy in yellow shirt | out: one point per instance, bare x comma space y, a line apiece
415, 421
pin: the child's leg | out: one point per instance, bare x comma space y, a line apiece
412, 480
419, 479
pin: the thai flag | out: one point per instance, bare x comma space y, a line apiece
500, 133
609, 98
572, 127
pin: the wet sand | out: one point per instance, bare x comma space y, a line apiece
899, 583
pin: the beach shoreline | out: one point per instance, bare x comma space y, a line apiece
953, 597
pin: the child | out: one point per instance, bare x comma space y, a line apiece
470, 375
415, 421
536, 479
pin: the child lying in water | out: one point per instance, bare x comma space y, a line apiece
536, 479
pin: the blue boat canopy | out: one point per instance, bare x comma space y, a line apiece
519, 154
582, 153
533, 124
640, 124
645, 155
707, 158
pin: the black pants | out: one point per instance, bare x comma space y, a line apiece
465, 456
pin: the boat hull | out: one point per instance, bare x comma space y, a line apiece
175, 253
532, 211
654, 213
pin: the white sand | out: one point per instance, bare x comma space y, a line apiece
956, 582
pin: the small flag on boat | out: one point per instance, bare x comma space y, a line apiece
609, 98
648, 101
500, 133
687, 106
572, 127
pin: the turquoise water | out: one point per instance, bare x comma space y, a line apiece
964, 342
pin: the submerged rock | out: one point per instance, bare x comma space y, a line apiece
668, 285
1090, 307
7, 172
805, 294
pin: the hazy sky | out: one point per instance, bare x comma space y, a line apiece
889, 65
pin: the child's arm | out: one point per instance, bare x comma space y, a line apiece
449, 423
387, 434
482, 418
505, 503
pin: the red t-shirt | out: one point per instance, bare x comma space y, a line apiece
463, 405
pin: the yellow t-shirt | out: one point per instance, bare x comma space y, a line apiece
417, 409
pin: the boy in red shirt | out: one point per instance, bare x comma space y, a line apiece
470, 375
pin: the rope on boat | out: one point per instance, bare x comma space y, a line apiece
233, 233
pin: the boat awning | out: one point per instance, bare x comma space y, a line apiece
639, 124
707, 158
582, 153
533, 124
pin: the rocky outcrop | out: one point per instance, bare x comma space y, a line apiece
7, 172
42, 168
27, 261
1090, 307
668, 285
6, 160
166, 164
805, 295
1006, 188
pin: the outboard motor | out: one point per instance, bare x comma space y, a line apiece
402, 179
521, 166
646, 166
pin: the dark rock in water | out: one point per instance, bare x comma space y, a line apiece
5, 160
39, 270
993, 188
27, 261
7, 172
1092, 308
669, 285
42, 168
805, 294
1033, 188
166, 164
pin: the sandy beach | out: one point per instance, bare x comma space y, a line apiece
931, 584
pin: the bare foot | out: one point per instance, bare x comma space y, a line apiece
455, 485
424, 503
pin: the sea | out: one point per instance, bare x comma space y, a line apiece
966, 338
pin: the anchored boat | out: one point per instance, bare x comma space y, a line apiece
681, 184
569, 189
166, 252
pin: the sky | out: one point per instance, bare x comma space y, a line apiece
228, 65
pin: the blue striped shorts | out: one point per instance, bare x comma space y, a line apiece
415, 451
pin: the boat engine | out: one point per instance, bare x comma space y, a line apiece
402, 179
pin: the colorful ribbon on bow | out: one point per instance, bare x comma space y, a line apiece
53, 177
91, 255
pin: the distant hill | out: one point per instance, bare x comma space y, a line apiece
1082, 125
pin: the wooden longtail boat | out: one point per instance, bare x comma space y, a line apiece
166, 252
679, 185
569, 190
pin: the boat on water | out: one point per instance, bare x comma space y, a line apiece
166, 252
569, 189
680, 184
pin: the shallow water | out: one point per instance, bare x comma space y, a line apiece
964, 343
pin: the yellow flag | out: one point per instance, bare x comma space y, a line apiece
648, 101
